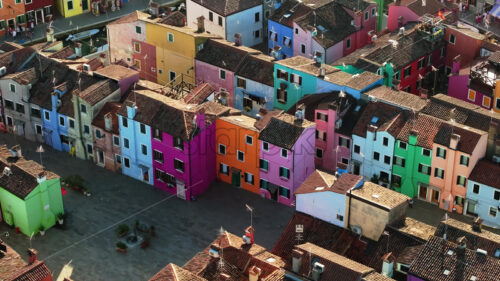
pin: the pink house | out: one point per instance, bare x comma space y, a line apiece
286, 155
107, 137
144, 60
456, 150
182, 141
121, 33
364, 14
402, 12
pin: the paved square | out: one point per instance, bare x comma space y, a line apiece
182, 228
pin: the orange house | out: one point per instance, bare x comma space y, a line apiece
11, 14
237, 148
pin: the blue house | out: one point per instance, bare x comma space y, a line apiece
137, 158
254, 85
483, 193
55, 121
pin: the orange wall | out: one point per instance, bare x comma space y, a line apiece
7, 13
233, 137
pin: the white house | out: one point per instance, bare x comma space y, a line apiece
229, 17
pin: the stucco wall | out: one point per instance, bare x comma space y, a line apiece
120, 37
209, 73
195, 10
371, 219
244, 23
256, 89
324, 206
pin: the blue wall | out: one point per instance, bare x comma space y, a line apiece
324, 86
255, 89
52, 130
282, 31
485, 201
244, 23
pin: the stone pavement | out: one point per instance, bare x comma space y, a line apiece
469, 17
182, 228
63, 25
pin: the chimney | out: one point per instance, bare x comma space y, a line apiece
388, 264
477, 225
248, 237
462, 243
102, 58
32, 256
108, 122
201, 24
78, 49
49, 34
412, 139
456, 65
238, 41
322, 71
296, 260
131, 109
254, 273
154, 10
454, 139
41, 177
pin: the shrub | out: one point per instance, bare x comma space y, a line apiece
75, 180
121, 245
122, 229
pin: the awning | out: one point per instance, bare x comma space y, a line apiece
495, 11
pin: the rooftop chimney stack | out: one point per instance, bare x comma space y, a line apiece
32, 256
201, 24
454, 140
297, 260
49, 34
462, 242
254, 273
238, 40
108, 122
388, 264
78, 49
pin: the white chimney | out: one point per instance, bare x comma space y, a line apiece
254, 273
387, 265
454, 139
296, 260
49, 33
108, 122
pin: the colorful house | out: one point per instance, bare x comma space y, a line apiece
13, 267
238, 150
12, 14
411, 169
107, 137
483, 193
39, 11
30, 196
402, 12
286, 154
373, 140
463, 45
456, 150
182, 141
229, 19
69, 8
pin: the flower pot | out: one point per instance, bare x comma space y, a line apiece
60, 221
42, 232
121, 250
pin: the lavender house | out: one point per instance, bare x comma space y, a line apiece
286, 155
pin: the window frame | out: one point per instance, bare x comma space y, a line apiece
238, 155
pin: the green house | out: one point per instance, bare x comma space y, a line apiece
30, 197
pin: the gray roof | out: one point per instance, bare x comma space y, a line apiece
228, 7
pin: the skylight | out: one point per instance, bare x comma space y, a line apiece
450, 252
374, 120
287, 16
321, 28
446, 272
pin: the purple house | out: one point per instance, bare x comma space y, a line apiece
182, 136
286, 154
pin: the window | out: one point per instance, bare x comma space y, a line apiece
178, 143
124, 122
61, 121
452, 39
296, 79
284, 153
497, 103
157, 134
340, 217
402, 145
170, 37
475, 188
220, 20
441, 152
35, 112
46, 115
396, 180
98, 134
12, 87
387, 160
158, 156
256, 33
284, 173
172, 76
9, 104
322, 116
224, 169
249, 140
263, 184
240, 156
257, 17
429, 60
281, 74
138, 30
90, 149
126, 143
137, 47
399, 161
421, 63
345, 160
273, 36
320, 135
424, 169
282, 96
264, 165
10, 122
439, 173
357, 149
83, 108
442, 53
319, 152
20, 108
461, 180
179, 165
285, 192
344, 142
459, 200
248, 178
367, 15
144, 149
486, 101
397, 76
373, 12
222, 149
496, 195
126, 162
407, 72
302, 48
222, 74
287, 42
48, 10
3, 24
71, 123
426, 152
385, 141
464, 160
265, 146
70, 4
86, 129
38, 129
241, 83
296, 31
116, 140
376, 156
348, 43
493, 211
210, 16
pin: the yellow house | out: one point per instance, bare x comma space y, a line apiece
69, 8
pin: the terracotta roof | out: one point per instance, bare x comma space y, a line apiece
173, 272
397, 98
63, 54
176, 19
22, 77
375, 276
308, 66
379, 195
10, 46
455, 229
430, 7
468, 138
409, 254
99, 91
199, 94
318, 181
284, 16
486, 172
426, 128
228, 7
132, 17
355, 5
283, 130
116, 72
224, 54
384, 116
38, 271
10, 261
110, 108
257, 68
244, 121
444, 261
416, 228
16, 59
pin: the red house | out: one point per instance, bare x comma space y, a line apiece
39, 11
464, 42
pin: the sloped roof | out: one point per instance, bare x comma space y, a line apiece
22, 77
286, 17
36, 272
355, 5
98, 91
258, 68
199, 94
468, 138
486, 172
224, 54
425, 126
176, 19
401, 99
116, 72
387, 118
283, 130
63, 54
10, 261
111, 108
172, 272
132, 17
379, 195
318, 179
430, 7
228, 7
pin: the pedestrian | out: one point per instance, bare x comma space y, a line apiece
32, 25
14, 33
460, 7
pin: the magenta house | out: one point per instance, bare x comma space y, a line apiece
182, 138
402, 12
286, 155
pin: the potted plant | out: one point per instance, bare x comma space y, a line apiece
60, 218
121, 247
42, 230
145, 243
122, 230
77, 183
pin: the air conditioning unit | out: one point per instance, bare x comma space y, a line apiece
7, 171
86, 67
213, 252
357, 229
318, 268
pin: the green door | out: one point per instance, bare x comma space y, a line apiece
236, 179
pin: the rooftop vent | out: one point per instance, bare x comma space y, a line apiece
319, 188
446, 272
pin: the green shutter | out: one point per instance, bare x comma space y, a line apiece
3, 24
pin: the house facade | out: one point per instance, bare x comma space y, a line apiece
483, 193
40, 11
403, 12
12, 14
106, 133
69, 8
286, 156
462, 42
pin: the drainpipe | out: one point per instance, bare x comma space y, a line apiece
349, 210
3, 113
80, 125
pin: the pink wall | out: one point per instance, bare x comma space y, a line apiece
120, 38
397, 11
209, 73
106, 145
147, 57
457, 87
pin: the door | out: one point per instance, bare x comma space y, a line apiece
471, 208
435, 196
39, 16
181, 189
356, 169
85, 5
11, 23
145, 176
100, 157
236, 178
422, 193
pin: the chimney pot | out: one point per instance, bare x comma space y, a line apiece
454, 140
32, 256
254, 273
201, 24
